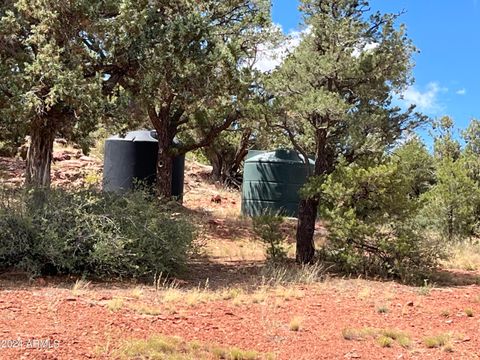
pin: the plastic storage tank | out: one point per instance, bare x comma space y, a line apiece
271, 182
133, 158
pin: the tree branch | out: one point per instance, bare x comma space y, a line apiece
212, 134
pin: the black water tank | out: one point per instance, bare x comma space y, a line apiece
133, 158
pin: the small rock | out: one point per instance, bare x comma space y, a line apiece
86, 158
71, 298
352, 355
410, 303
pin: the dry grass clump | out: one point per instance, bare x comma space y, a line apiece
275, 275
384, 337
437, 341
295, 324
465, 256
115, 304
174, 348
80, 287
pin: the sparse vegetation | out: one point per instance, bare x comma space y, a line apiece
425, 289
268, 228
358, 334
464, 255
365, 293
136, 293
437, 341
80, 286
293, 274
384, 341
384, 337
147, 310
115, 304
295, 324
174, 348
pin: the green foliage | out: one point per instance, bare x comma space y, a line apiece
417, 166
445, 145
371, 222
91, 233
471, 153
396, 217
451, 204
268, 228
340, 80
46, 72
334, 99
186, 66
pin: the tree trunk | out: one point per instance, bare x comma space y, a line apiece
160, 122
164, 165
39, 155
242, 151
215, 160
307, 213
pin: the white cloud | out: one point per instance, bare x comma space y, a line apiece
268, 57
461, 91
427, 100
367, 47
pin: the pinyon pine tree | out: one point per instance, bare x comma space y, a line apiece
334, 93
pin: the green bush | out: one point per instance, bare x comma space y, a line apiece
267, 228
451, 205
86, 232
370, 218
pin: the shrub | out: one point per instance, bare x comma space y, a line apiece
450, 207
370, 217
267, 228
87, 232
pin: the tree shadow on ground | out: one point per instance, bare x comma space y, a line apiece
204, 272
455, 278
225, 228
219, 275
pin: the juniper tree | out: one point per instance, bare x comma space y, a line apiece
46, 91
178, 60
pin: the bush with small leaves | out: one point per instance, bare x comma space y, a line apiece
267, 228
370, 216
92, 233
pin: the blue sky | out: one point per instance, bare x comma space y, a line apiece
447, 33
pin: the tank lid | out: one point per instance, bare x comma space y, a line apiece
279, 156
139, 135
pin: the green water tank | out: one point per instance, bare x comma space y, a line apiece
271, 182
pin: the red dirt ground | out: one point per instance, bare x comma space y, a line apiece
85, 328
82, 326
